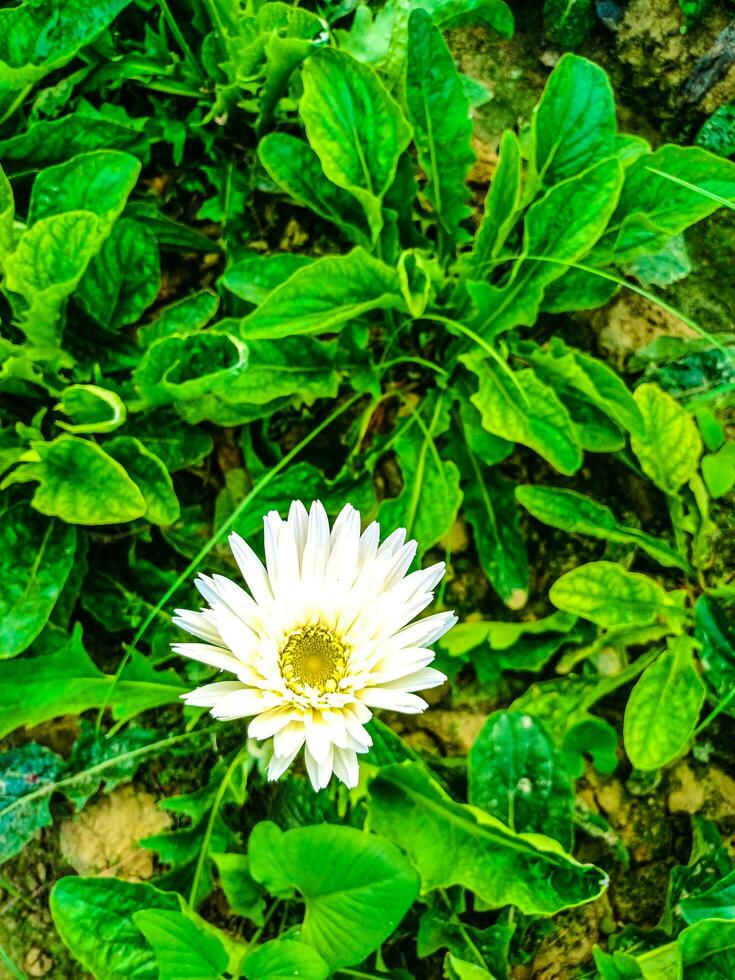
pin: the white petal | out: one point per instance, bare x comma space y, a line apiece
316, 549
198, 624
210, 694
298, 520
214, 656
243, 703
279, 764
426, 630
346, 767
272, 721
379, 697
290, 739
420, 680
252, 570
319, 772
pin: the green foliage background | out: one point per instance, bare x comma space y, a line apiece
241, 263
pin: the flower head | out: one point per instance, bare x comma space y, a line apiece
323, 635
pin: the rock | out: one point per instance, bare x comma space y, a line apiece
103, 838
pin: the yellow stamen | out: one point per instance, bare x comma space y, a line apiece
313, 657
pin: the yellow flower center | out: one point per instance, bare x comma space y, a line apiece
313, 657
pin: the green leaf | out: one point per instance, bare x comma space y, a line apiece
244, 895
457, 969
669, 446
573, 126
717, 902
358, 283
186, 316
149, 475
714, 631
79, 483
180, 368
523, 409
66, 681
123, 279
37, 36
355, 127
182, 950
178, 445
570, 369
718, 132
560, 228
568, 22
451, 14
439, 112
99, 182
490, 508
430, 498
573, 512
502, 202
92, 408
605, 593
663, 708
45, 269
253, 277
344, 876
282, 959
516, 773
456, 844
25, 770
653, 208
37, 556
297, 170
46, 142
718, 470
7, 215
707, 950
94, 917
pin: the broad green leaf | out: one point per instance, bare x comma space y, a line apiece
186, 316
25, 770
66, 682
93, 409
244, 895
568, 22
605, 593
717, 902
520, 408
38, 36
182, 950
573, 512
46, 142
718, 470
282, 959
297, 170
653, 208
707, 950
179, 368
357, 283
176, 444
561, 227
79, 482
516, 773
151, 477
573, 125
355, 127
94, 917
37, 557
669, 446
716, 634
565, 367
451, 14
663, 708
718, 132
490, 508
7, 215
430, 498
123, 279
253, 277
93, 749
45, 269
456, 844
99, 182
344, 876
502, 203
457, 969
577, 290
439, 112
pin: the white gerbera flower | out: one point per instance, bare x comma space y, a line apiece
322, 637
